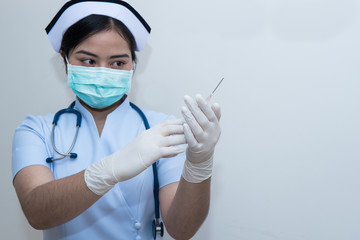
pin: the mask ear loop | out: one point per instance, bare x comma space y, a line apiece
67, 64
67, 60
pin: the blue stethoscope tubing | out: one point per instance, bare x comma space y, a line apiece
157, 225
70, 109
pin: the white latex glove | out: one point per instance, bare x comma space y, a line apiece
160, 141
202, 132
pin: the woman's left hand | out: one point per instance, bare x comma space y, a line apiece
202, 129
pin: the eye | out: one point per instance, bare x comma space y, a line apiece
88, 62
118, 64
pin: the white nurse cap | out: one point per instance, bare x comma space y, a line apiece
75, 10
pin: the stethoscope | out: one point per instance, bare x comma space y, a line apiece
157, 225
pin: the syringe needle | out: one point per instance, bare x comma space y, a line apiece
211, 94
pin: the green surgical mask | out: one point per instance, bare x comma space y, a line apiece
99, 87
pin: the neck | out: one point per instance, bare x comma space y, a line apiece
100, 115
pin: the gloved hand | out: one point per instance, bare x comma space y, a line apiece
202, 132
160, 141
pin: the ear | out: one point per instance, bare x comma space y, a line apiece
62, 54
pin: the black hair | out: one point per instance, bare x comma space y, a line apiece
91, 25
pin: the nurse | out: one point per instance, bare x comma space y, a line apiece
106, 192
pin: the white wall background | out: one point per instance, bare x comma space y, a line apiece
287, 166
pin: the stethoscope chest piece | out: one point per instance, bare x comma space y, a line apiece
157, 228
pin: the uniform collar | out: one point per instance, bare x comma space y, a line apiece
119, 111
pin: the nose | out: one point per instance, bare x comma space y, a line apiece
102, 64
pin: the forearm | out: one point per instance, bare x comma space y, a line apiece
57, 202
47, 203
189, 209
190, 205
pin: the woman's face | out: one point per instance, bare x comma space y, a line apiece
104, 49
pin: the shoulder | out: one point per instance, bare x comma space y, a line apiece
36, 123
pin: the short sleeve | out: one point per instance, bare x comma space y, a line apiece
29, 145
170, 169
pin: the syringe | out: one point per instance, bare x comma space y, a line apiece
211, 94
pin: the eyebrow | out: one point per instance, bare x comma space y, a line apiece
96, 56
87, 53
120, 56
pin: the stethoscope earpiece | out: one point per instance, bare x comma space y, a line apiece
51, 159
